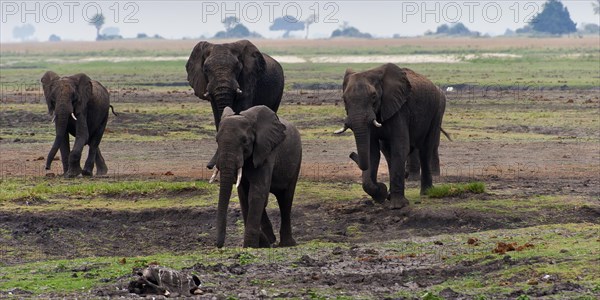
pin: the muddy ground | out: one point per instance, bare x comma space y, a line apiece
509, 169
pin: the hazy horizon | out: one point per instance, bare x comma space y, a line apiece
190, 19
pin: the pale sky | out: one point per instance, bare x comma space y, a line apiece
191, 19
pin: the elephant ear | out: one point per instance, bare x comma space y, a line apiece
395, 90
227, 112
346, 78
253, 65
84, 92
269, 132
48, 81
195, 69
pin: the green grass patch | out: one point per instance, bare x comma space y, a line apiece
455, 189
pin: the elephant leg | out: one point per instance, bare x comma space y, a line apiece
435, 162
88, 168
65, 150
243, 196
397, 169
426, 178
285, 199
414, 166
257, 199
101, 168
75, 155
267, 228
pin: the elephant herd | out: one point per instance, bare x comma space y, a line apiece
391, 110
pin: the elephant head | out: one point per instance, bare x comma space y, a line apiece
66, 97
225, 74
248, 137
370, 99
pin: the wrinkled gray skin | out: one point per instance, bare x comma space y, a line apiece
413, 164
408, 108
268, 152
235, 75
88, 101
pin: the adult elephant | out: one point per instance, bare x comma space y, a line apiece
393, 110
79, 107
235, 75
264, 153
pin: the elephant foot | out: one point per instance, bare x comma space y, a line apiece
264, 241
73, 172
86, 172
413, 176
289, 242
398, 202
380, 194
101, 171
425, 189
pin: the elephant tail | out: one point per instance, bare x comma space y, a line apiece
446, 134
114, 113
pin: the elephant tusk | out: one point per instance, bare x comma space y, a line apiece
341, 130
214, 176
205, 95
377, 124
239, 91
53, 118
239, 177
73, 115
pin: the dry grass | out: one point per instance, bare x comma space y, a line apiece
497, 44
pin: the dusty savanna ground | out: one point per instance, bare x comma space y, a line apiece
537, 152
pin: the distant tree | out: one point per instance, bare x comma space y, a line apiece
458, 29
234, 29
596, 6
97, 21
54, 38
590, 28
509, 32
288, 24
23, 32
230, 22
527, 29
443, 29
141, 36
349, 31
554, 19
309, 21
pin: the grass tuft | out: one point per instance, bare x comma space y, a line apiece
455, 189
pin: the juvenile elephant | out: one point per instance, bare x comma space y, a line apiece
79, 106
235, 75
264, 153
392, 110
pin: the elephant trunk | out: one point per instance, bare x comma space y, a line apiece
222, 98
227, 180
61, 122
362, 138
360, 127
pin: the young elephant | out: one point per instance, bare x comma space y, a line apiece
264, 153
79, 106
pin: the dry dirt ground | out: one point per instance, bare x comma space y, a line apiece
509, 170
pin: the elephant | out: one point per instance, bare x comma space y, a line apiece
264, 153
392, 110
413, 163
235, 75
79, 106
